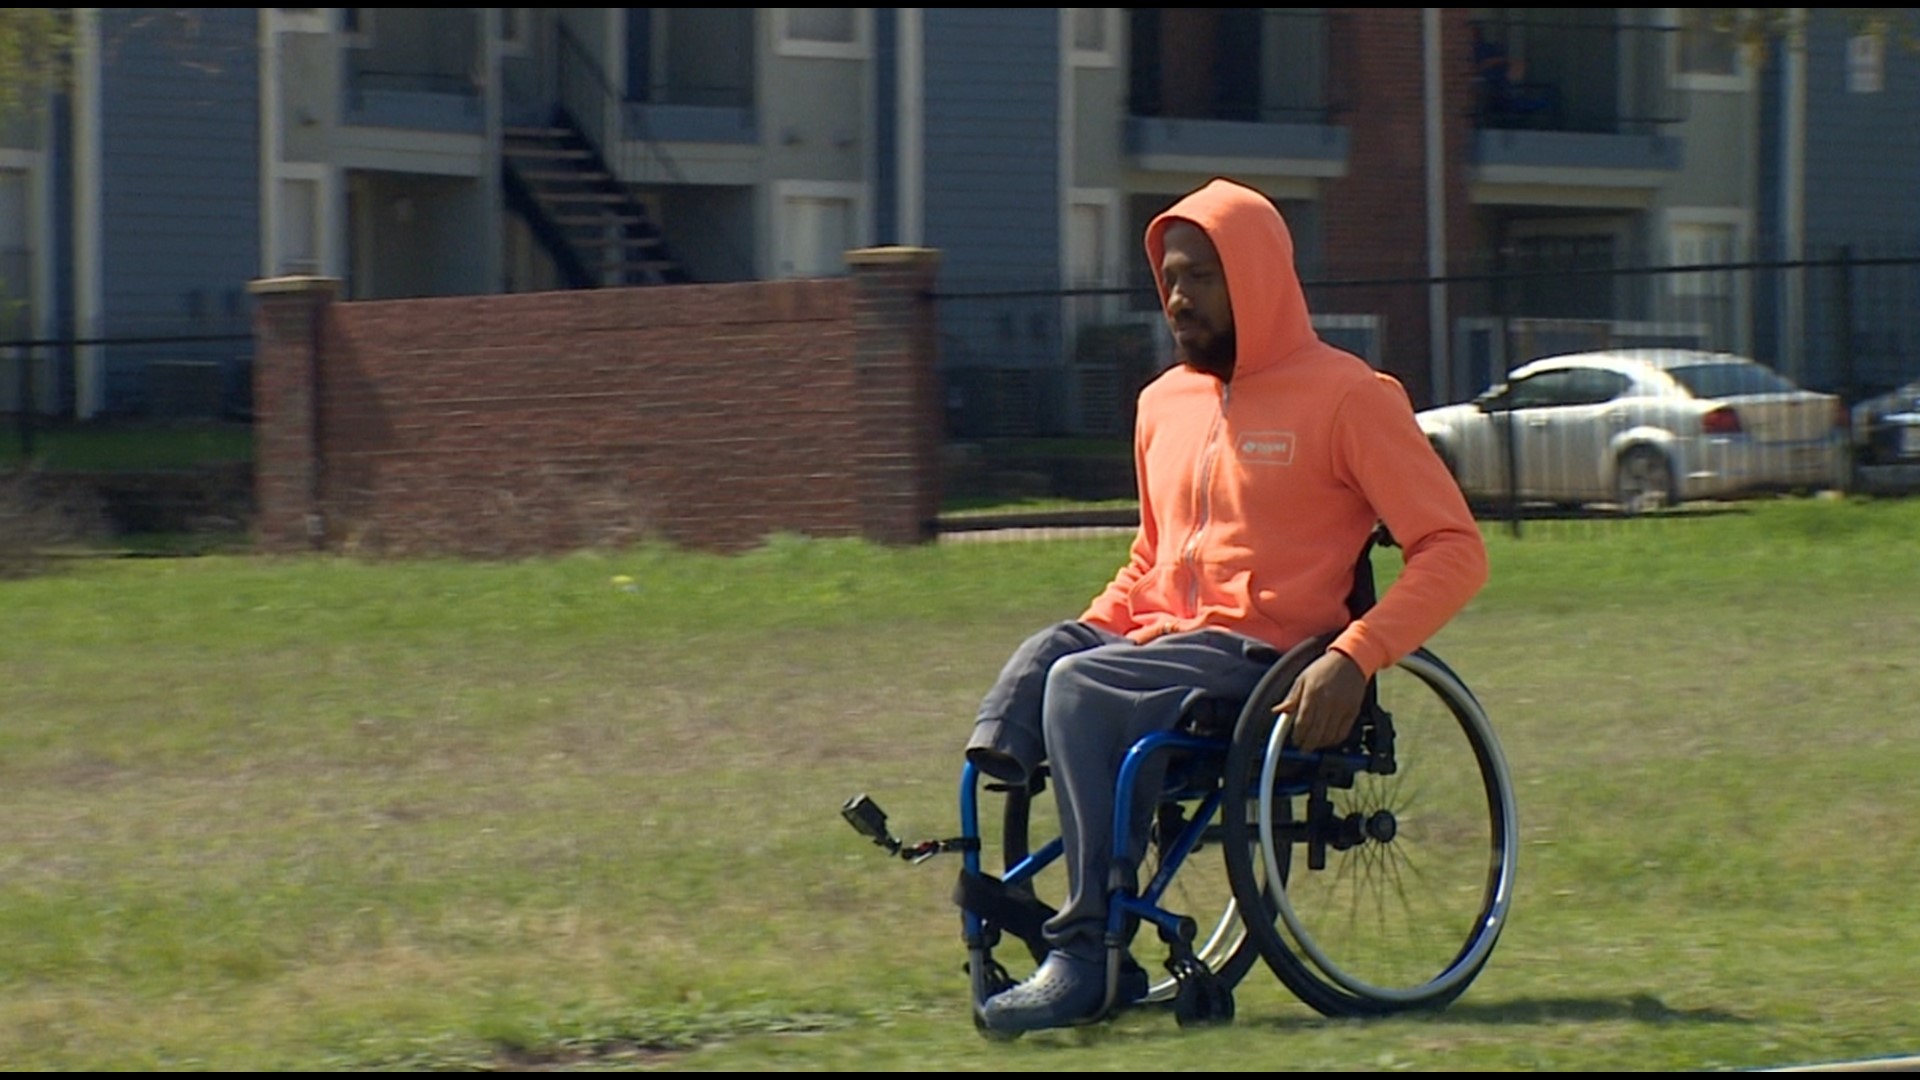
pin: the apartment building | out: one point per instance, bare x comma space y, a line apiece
1457, 178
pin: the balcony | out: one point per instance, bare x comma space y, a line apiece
1560, 89
1237, 83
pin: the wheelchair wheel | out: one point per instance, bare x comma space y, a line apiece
1387, 884
1199, 888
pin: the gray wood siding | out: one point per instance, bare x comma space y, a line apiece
180, 184
992, 112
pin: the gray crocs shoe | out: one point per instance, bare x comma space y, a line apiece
1068, 989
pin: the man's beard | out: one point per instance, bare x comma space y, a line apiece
1214, 356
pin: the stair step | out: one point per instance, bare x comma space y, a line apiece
567, 175
654, 270
598, 220
584, 196
534, 158
617, 242
537, 132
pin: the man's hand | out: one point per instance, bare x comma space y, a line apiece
1324, 701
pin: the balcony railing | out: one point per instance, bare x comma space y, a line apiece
1550, 75
412, 99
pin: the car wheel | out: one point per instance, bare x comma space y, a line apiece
1644, 481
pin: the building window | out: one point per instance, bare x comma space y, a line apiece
1707, 52
298, 230
1707, 301
1707, 43
1866, 64
16, 255
831, 33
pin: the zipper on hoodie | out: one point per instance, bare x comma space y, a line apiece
1208, 456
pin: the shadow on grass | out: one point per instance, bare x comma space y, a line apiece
1639, 1008
1642, 1008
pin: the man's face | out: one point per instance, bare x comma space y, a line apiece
1198, 310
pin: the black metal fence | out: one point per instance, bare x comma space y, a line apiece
203, 375
1046, 361
1049, 363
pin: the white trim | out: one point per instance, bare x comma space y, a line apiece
1107, 56
1739, 81
860, 48
298, 20
614, 60
910, 131
854, 192
89, 296
272, 20
274, 169
1793, 165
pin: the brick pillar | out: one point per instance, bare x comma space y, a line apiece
900, 420
289, 313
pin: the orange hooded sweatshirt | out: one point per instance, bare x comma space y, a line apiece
1256, 495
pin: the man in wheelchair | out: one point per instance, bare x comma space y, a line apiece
1265, 460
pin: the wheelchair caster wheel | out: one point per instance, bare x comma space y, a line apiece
1202, 999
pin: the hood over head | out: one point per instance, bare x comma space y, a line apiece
1256, 253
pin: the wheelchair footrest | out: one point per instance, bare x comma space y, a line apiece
1018, 913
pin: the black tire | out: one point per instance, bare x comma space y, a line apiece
1408, 916
1643, 481
1199, 888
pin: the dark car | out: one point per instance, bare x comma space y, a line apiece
1886, 429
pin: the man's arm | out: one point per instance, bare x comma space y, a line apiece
1386, 457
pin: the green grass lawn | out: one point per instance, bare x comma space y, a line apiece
313, 813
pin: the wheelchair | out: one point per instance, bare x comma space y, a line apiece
1372, 878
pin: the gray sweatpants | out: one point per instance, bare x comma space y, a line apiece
1078, 697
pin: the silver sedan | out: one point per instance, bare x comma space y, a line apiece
1641, 429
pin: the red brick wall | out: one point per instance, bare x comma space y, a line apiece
1376, 215
499, 426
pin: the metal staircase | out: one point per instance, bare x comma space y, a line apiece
597, 231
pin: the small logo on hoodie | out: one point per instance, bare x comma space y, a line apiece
1266, 447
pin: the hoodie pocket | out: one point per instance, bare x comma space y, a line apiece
1156, 593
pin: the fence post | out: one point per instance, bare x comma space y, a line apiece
896, 393
288, 453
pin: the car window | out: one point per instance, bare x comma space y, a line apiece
1567, 386
1595, 386
1728, 380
